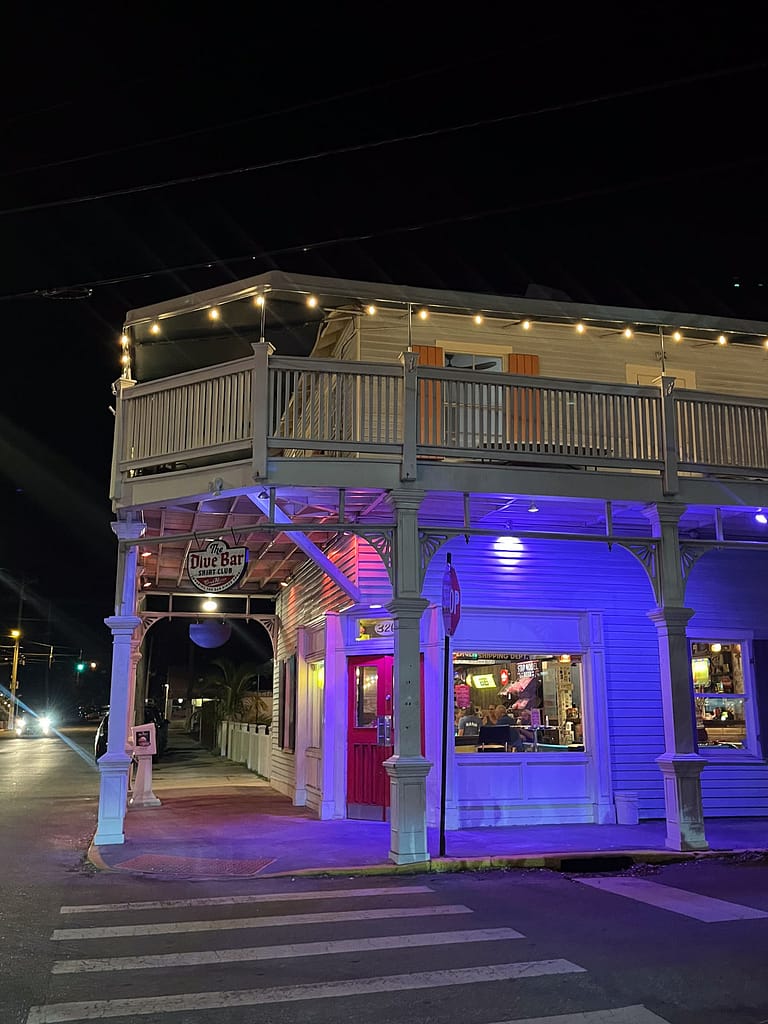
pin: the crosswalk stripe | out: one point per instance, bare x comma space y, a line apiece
57, 1013
679, 901
228, 924
224, 901
619, 1015
224, 956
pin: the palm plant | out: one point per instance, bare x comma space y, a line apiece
228, 683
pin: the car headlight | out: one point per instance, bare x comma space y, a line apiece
46, 724
21, 726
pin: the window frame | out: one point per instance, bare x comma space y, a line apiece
751, 750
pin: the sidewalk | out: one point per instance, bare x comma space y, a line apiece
218, 820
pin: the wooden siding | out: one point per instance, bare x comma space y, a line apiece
724, 587
304, 603
728, 591
587, 576
565, 355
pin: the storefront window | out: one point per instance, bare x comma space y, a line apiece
366, 695
526, 703
719, 694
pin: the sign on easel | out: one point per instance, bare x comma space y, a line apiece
144, 739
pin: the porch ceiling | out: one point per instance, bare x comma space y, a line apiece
174, 529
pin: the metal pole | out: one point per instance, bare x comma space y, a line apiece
444, 752
14, 675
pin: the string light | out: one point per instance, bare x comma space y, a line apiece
628, 332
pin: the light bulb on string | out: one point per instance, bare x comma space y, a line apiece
214, 313
627, 332
477, 319
677, 336
154, 329
370, 310
526, 325
259, 300
722, 340
423, 314
580, 328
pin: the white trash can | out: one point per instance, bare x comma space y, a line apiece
626, 808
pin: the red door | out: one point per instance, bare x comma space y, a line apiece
370, 735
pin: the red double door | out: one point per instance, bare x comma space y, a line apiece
370, 735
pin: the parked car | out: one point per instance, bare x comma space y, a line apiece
151, 714
28, 725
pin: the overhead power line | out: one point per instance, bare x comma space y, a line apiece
381, 143
85, 288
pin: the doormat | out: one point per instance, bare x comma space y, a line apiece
184, 867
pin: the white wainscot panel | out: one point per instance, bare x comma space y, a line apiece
507, 789
564, 778
314, 764
478, 779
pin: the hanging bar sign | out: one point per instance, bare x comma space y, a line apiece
451, 599
216, 567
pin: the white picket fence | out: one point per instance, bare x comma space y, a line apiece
246, 744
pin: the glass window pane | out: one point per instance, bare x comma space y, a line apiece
539, 697
719, 694
366, 695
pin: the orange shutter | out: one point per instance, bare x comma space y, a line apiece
430, 397
524, 410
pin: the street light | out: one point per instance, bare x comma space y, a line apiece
16, 634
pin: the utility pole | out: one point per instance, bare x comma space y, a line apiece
16, 634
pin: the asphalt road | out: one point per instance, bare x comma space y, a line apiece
680, 944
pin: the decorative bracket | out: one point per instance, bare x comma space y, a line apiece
646, 552
381, 542
271, 624
429, 544
689, 556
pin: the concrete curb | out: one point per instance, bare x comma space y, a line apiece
561, 862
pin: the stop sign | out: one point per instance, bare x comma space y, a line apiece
451, 600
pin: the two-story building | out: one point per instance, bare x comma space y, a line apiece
460, 501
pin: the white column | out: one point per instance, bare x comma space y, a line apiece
680, 764
407, 768
114, 765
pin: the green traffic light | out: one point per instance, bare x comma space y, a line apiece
80, 666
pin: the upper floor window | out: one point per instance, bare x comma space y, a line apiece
469, 361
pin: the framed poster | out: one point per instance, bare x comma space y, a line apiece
144, 738
287, 704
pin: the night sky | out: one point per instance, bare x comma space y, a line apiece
620, 160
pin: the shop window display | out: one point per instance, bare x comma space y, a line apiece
719, 694
521, 703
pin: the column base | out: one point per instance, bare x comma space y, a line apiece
682, 797
113, 790
408, 809
142, 795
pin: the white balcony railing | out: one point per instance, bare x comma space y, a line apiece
270, 406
